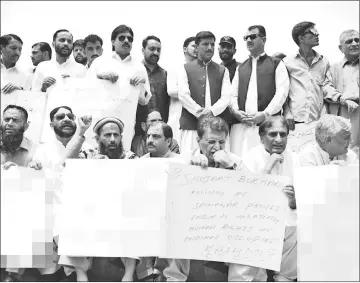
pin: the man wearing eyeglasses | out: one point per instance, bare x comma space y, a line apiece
345, 75
310, 79
259, 90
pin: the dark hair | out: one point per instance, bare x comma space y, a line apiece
150, 37
151, 111
44, 46
5, 39
55, 110
262, 31
60, 30
93, 38
299, 29
211, 122
188, 40
268, 123
120, 29
79, 42
21, 109
168, 133
202, 35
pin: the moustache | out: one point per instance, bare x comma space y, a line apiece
150, 144
154, 56
67, 125
126, 45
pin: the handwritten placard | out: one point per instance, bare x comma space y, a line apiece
26, 218
34, 103
227, 216
303, 135
327, 199
118, 209
100, 99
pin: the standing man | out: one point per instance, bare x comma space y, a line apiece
12, 77
40, 52
260, 88
345, 77
93, 48
204, 88
79, 52
190, 53
227, 50
56, 71
310, 78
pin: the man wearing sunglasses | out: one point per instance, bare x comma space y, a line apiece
259, 90
345, 75
310, 78
204, 88
121, 64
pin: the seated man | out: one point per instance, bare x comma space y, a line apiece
333, 136
138, 144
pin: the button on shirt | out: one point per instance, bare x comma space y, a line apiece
22, 156
127, 68
52, 68
309, 86
189, 104
13, 75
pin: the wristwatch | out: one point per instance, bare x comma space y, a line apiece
233, 167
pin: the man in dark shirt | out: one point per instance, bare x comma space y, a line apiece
227, 51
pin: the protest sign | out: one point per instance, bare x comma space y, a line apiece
34, 103
26, 218
327, 200
100, 99
118, 209
226, 216
303, 135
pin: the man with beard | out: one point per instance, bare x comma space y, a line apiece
227, 50
260, 88
79, 52
49, 72
138, 144
204, 88
345, 77
12, 77
40, 52
190, 53
310, 79
93, 48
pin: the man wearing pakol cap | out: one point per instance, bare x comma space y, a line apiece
204, 88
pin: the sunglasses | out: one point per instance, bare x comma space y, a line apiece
60, 117
251, 36
313, 31
349, 41
129, 38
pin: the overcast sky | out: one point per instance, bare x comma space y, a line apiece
173, 22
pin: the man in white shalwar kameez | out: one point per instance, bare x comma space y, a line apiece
259, 89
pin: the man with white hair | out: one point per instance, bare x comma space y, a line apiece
332, 134
345, 77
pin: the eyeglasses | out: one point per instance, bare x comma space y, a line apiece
60, 117
349, 41
129, 38
313, 31
251, 36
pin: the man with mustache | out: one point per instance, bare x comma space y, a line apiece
12, 77
227, 50
79, 52
204, 88
49, 72
41, 51
345, 77
175, 108
93, 48
260, 88
310, 79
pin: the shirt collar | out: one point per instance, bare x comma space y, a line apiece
156, 66
317, 57
345, 61
256, 58
25, 144
15, 68
203, 63
324, 155
117, 57
233, 61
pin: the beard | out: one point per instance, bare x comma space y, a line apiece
226, 56
80, 59
113, 153
59, 130
9, 143
61, 52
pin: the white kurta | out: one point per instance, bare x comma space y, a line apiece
13, 75
188, 137
243, 137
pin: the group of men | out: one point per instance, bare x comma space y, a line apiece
205, 114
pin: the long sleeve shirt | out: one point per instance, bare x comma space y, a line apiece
309, 86
282, 89
13, 75
189, 104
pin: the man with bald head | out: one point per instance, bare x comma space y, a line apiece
345, 77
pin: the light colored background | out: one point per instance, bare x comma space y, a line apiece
173, 22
